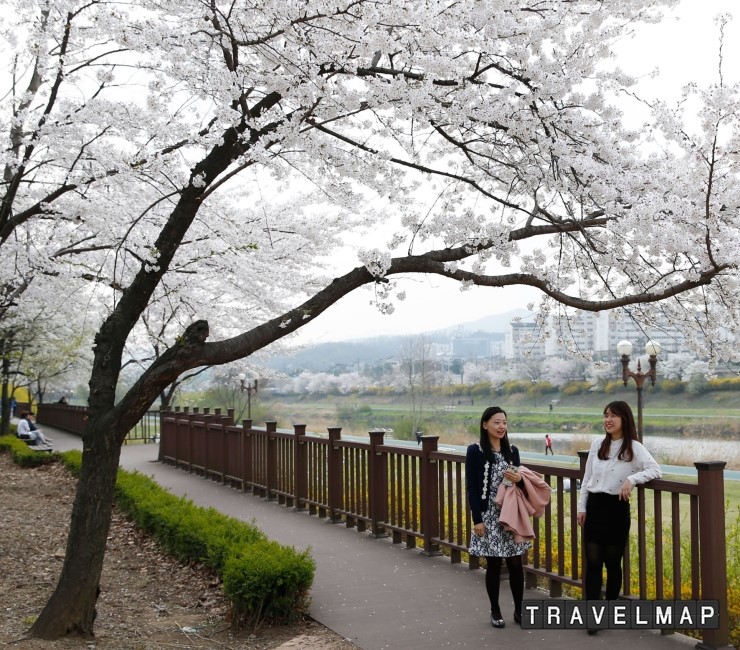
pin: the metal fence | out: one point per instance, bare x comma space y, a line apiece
416, 495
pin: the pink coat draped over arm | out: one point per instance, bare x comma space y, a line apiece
519, 506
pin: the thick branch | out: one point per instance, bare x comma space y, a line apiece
194, 351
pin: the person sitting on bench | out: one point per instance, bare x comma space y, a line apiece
28, 431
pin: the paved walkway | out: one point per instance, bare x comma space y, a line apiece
377, 594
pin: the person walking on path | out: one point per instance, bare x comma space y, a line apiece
548, 444
615, 464
487, 464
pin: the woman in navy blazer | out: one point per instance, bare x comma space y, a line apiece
487, 463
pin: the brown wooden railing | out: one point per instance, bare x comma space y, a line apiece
74, 420
416, 495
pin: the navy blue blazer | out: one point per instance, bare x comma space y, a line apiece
475, 467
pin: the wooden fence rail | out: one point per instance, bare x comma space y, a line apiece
74, 420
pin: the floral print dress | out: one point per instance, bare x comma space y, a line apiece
495, 542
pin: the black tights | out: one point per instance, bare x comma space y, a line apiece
516, 581
598, 556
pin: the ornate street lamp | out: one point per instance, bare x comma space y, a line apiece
250, 387
624, 349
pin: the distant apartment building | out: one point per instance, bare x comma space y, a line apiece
589, 333
663, 332
464, 348
524, 340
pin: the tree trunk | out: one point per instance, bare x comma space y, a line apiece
5, 424
71, 609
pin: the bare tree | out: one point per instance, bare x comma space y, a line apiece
417, 368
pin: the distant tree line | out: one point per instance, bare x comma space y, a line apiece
308, 383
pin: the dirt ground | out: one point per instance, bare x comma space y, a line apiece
148, 601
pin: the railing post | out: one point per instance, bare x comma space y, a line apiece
712, 547
272, 484
206, 419
334, 475
429, 489
190, 442
378, 485
224, 451
230, 415
300, 467
164, 444
247, 456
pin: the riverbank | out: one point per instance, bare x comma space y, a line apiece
709, 416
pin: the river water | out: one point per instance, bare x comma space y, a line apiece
666, 450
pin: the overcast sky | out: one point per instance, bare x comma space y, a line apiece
684, 49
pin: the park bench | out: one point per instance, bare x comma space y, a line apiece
31, 442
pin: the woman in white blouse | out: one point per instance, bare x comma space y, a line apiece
615, 465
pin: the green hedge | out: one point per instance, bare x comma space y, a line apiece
265, 581
24, 455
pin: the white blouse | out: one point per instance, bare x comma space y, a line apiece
608, 475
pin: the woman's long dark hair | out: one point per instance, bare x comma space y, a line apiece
485, 443
629, 431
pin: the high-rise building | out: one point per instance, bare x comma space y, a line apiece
524, 340
590, 333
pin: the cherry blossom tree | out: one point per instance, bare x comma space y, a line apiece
560, 371
159, 145
44, 347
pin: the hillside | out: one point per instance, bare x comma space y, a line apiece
348, 355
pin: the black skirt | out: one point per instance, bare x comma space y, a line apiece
607, 519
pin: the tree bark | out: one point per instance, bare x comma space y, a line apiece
5, 423
71, 608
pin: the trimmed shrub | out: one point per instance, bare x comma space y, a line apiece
268, 582
612, 387
576, 388
670, 386
188, 532
24, 455
481, 389
72, 461
724, 383
265, 581
515, 386
539, 388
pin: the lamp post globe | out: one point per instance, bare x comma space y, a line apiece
653, 349
250, 387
